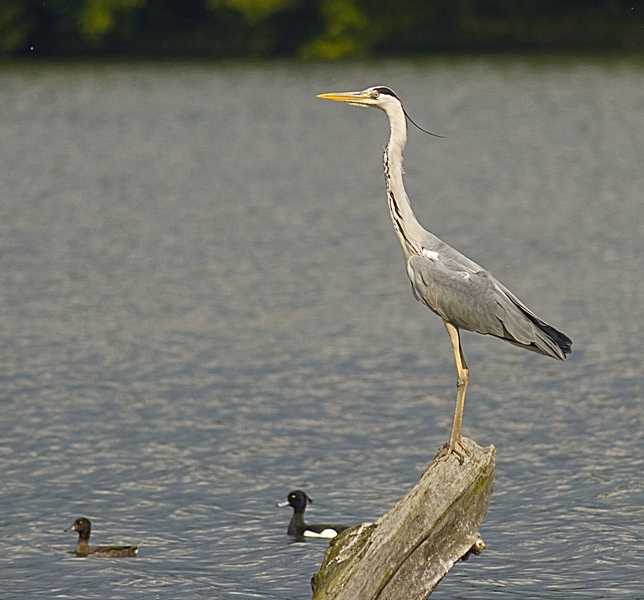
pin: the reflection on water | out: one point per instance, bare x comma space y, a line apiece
203, 306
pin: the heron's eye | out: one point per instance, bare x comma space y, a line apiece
375, 94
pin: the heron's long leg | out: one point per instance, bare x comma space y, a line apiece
463, 375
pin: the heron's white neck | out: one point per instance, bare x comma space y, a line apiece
405, 223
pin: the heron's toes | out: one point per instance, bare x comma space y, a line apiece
457, 449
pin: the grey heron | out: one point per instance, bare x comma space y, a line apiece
454, 287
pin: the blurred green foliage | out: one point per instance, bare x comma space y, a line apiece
96, 18
328, 29
253, 10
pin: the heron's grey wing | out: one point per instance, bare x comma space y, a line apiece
467, 296
458, 294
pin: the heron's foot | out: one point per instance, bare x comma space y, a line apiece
455, 448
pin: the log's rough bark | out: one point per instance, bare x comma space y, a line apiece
405, 553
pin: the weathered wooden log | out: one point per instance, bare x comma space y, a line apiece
405, 553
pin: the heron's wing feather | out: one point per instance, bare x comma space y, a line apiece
467, 296
457, 293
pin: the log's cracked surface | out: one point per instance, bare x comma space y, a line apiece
405, 553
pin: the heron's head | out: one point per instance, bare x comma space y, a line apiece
378, 96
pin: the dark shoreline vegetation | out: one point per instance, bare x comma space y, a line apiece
314, 29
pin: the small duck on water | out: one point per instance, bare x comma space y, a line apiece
298, 528
84, 529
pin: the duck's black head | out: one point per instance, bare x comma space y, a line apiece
83, 526
298, 500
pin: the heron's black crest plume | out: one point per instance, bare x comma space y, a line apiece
419, 127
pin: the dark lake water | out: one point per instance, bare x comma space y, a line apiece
203, 305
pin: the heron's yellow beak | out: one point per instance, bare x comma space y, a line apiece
351, 97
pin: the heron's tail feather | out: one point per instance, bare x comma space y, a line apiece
543, 338
563, 342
